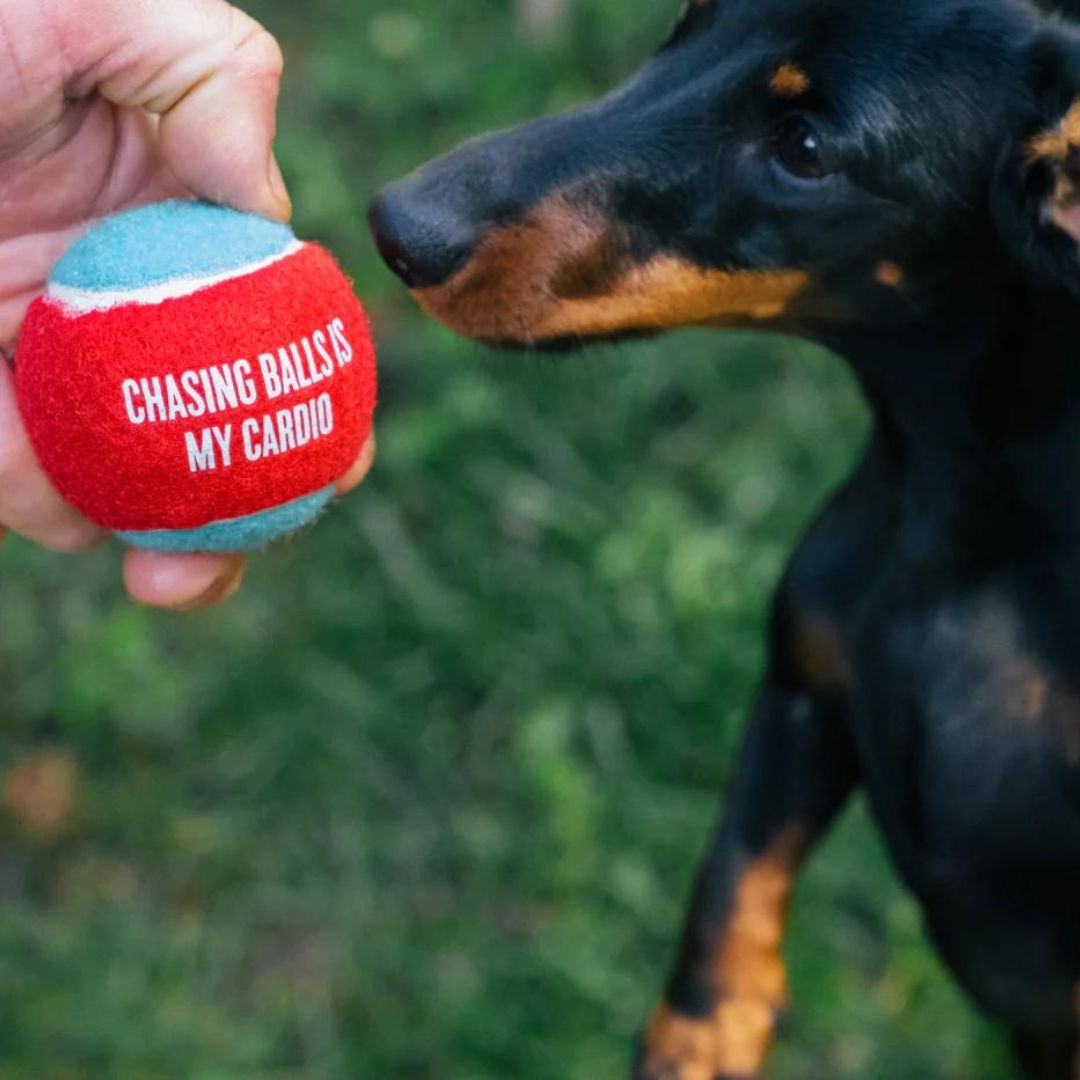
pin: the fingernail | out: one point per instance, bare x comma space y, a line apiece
278, 187
219, 591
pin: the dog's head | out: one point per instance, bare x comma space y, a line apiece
780, 163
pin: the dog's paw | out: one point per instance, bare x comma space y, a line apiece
731, 1044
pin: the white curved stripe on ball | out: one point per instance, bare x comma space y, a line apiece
82, 301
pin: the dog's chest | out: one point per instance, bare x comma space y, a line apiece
968, 733
962, 681
952, 644
967, 716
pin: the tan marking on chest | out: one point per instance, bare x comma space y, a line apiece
1028, 694
819, 655
889, 274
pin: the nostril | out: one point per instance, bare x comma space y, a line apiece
416, 240
395, 257
387, 241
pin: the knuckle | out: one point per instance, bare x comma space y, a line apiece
258, 49
30, 506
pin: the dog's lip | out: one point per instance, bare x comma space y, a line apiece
567, 343
573, 342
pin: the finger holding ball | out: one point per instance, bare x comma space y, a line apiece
29, 503
196, 379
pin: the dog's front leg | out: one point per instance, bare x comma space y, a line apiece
729, 983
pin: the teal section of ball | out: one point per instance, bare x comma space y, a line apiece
239, 534
158, 244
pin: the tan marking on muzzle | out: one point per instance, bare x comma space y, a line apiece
790, 81
667, 292
565, 271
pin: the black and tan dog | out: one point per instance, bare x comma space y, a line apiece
900, 180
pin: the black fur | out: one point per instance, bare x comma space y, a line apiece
948, 568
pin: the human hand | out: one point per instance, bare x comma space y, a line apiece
107, 104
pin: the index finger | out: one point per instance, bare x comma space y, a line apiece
210, 72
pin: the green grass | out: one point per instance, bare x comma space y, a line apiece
425, 800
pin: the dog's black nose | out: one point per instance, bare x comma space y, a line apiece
420, 239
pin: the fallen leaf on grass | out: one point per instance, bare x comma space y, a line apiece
40, 793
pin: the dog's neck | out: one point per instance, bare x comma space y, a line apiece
977, 406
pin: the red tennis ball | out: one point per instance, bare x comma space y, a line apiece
197, 379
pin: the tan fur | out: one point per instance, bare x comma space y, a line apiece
1054, 144
1028, 692
748, 978
819, 655
564, 271
667, 292
889, 274
790, 81
1060, 148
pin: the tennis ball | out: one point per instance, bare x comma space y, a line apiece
196, 379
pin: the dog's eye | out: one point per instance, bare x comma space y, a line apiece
797, 146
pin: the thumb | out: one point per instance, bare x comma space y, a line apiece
209, 72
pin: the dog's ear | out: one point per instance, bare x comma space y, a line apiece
1036, 190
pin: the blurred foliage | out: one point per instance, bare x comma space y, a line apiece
426, 799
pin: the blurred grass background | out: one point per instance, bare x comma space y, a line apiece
425, 801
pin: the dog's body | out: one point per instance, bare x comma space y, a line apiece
899, 182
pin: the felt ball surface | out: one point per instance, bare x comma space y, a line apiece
196, 379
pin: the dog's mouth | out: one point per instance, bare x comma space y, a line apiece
562, 276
